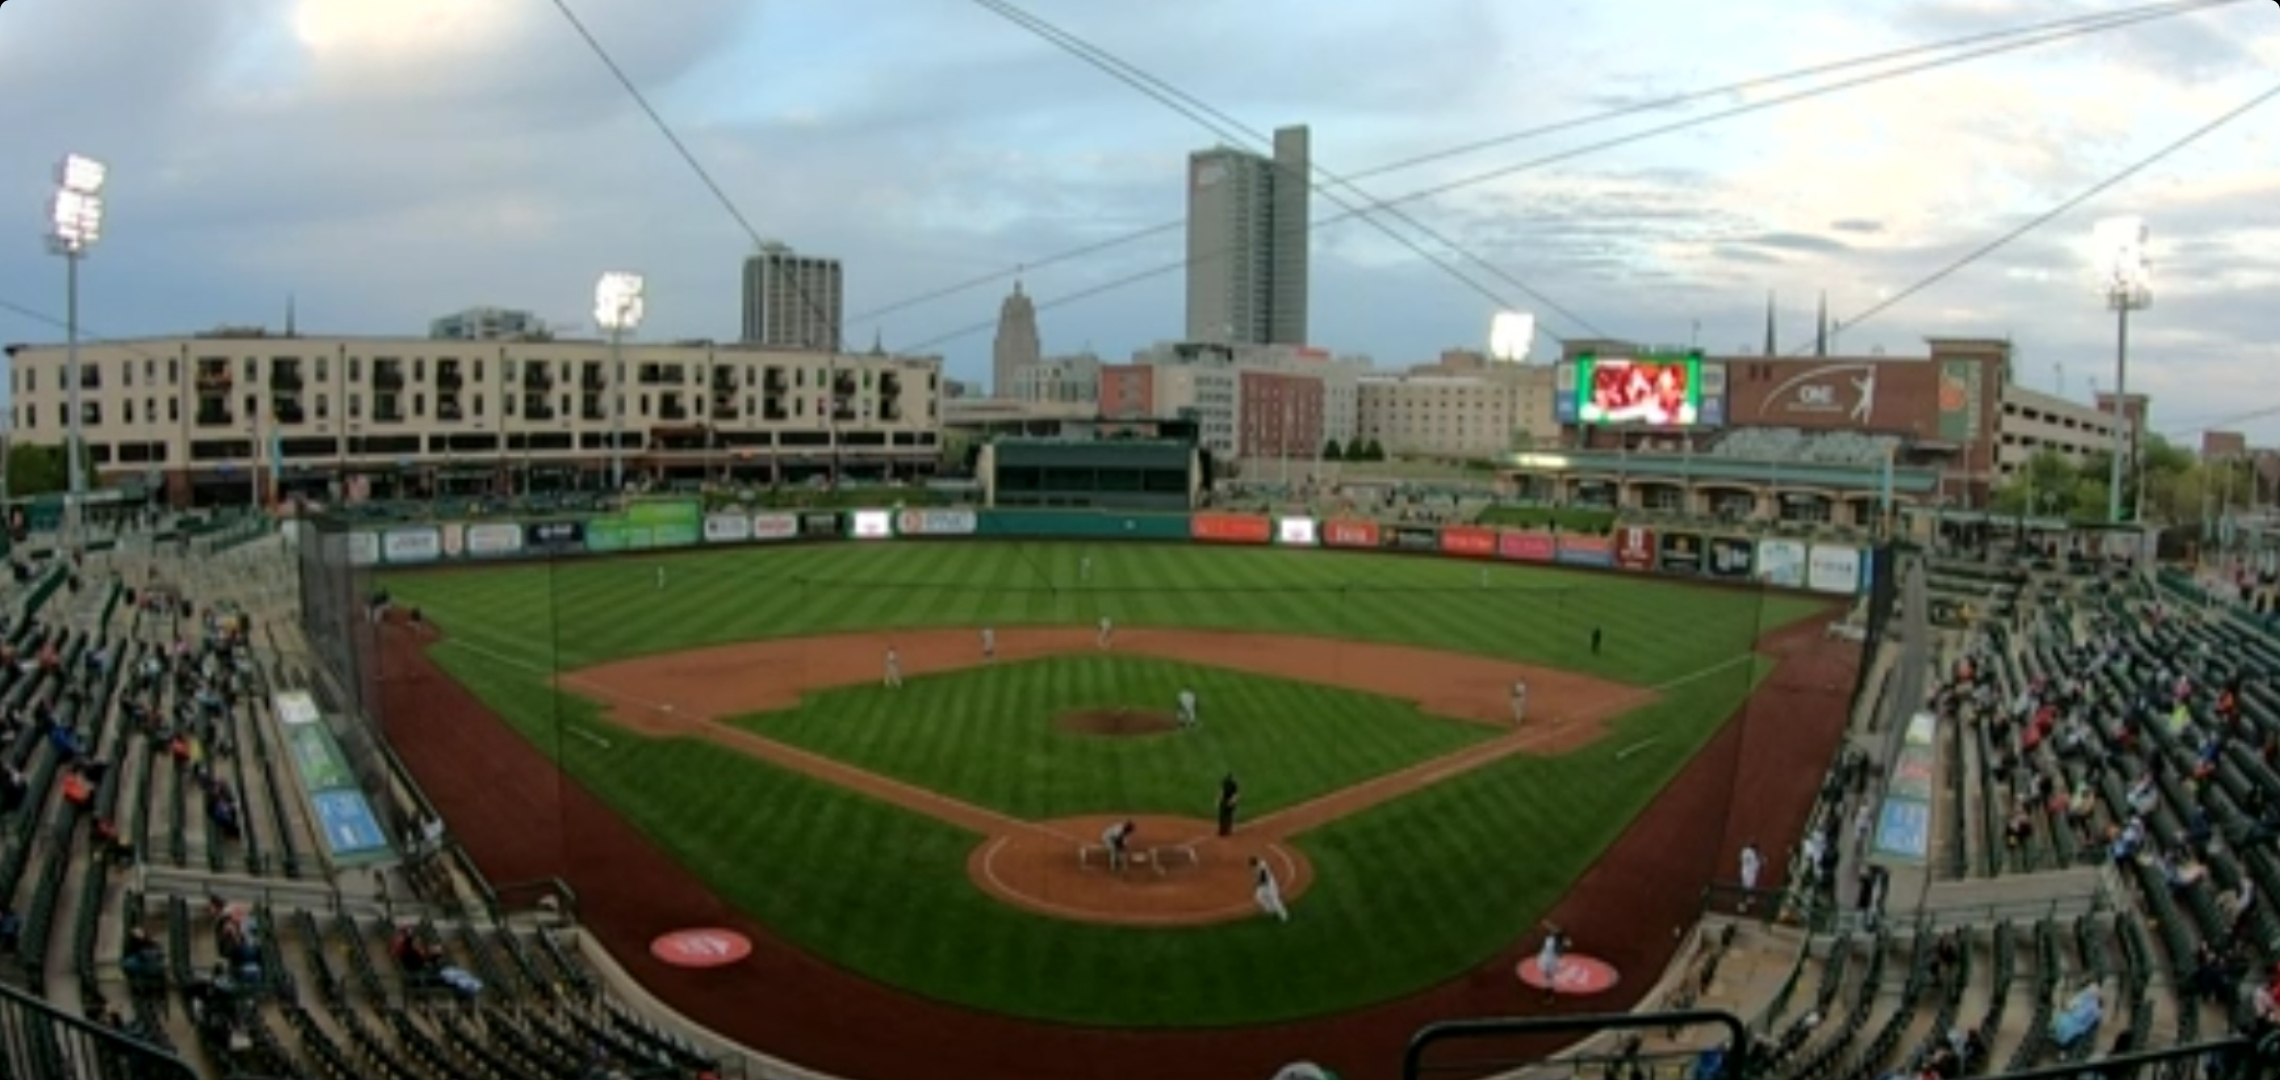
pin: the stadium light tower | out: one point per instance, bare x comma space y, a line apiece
75, 223
619, 304
2125, 275
1511, 334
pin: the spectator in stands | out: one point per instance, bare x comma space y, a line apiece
110, 845
14, 789
141, 958
11, 929
425, 960
78, 794
2079, 1020
2236, 903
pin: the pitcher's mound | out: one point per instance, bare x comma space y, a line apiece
1116, 722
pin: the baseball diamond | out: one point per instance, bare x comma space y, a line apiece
812, 747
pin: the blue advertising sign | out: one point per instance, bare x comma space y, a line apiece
345, 819
1904, 830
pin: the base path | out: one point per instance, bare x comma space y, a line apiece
520, 818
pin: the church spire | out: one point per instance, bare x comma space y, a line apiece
1821, 327
289, 319
1771, 346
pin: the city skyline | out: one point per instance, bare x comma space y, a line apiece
474, 154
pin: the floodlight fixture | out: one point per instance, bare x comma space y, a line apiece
75, 215
75, 223
620, 301
81, 173
1511, 334
2125, 276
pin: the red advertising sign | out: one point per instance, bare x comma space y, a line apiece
1635, 548
1528, 546
1355, 534
1469, 540
706, 948
1232, 528
1574, 973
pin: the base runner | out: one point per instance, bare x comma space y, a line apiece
1266, 891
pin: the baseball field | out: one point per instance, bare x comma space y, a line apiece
731, 754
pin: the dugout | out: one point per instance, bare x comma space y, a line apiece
1106, 474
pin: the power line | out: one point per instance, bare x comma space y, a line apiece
2099, 22
689, 158
1612, 143
1219, 123
2056, 212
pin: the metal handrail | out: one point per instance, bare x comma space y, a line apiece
1414, 1066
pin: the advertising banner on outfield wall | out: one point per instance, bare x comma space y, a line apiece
1411, 537
363, 548
1231, 528
493, 540
1295, 532
936, 523
1833, 568
1528, 546
1679, 553
871, 524
555, 536
775, 526
1635, 548
454, 539
727, 528
1585, 551
416, 544
1470, 541
1781, 563
1352, 534
816, 525
1730, 557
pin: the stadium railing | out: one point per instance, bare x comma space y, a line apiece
38, 1040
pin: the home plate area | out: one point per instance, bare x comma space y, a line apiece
1179, 872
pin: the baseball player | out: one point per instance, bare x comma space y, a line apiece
894, 668
1187, 714
989, 644
1752, 864
1107, 631
1117, 839
660, 579
1084, 568
1548, 957
1230, 798
1266, 890
1519, 702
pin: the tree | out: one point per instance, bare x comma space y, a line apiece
1523, 440
1332, 452
1355, 451
40, 469
1373, 452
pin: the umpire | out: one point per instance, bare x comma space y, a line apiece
1230, 796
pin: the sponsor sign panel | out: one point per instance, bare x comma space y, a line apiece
1564, 396
1354, 534
1295, 532
1585, 551
318, 758
1411, 537
1959, 401
1471, 541
1904, 829
1921, 728
1680, 553
705, 948
1635, 547
936, 523
1833, 568
295, 708
1577, 975
1232, 528
363, 548
494, 539
727, 528
1528, 546
413, 545
555, 535
817, 524
1781, 563
347, 822
1729, 557
775, 526
1912, 774
454, 539
871, 525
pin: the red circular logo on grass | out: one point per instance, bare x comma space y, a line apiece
1581, 976
707, 948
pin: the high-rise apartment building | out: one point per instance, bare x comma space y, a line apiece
792, 301
1248, 243
1017, 345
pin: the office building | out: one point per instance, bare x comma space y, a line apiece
487, 324
1017, 344
1248, 240
1057, 379
1462, 406
792, 301
207, 417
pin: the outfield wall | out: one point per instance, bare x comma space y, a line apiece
1824, 568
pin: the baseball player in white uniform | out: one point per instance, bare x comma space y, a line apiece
989, 643
1752, 864
1084, 568
1187, 714
660, 579
1117, 839
1266, 891
1519, 703
1107, 631
894, 668
1548, 957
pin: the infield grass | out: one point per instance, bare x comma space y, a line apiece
1408, 894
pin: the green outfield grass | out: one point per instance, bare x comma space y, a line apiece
884, 892
985, 736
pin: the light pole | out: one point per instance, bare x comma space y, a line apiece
2126, 277
75, 222
619, 304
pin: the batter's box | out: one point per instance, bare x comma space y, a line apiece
1161, 858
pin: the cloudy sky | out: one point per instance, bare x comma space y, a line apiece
389, 160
